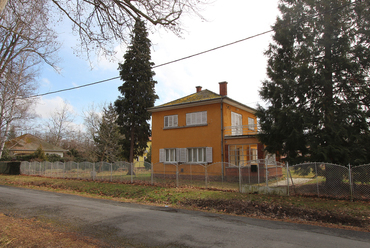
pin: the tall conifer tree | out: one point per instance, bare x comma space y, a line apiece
318, 89
138, 93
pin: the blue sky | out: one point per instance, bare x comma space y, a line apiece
242, 65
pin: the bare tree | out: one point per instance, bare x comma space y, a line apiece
15, 85
59, 126
24, 30
25, 41
100, 24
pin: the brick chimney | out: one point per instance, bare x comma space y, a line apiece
199, 88
223, 88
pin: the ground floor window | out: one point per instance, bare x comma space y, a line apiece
170, 155
197, 155
240, 154
184, 155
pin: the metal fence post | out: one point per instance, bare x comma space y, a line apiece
93, 164
317, 181
206, 175
287, 176
177, 176
240, 178
152, 174
267, 174
350, 181
111, 172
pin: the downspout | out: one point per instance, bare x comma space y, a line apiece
222, 138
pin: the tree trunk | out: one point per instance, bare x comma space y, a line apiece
131, 158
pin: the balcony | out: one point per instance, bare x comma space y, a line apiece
241, 130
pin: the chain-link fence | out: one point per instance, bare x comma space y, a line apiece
102, 171
330, 180
255, 176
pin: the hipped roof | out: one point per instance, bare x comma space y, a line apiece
29, 142
202, 97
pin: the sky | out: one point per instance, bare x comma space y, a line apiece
242, 65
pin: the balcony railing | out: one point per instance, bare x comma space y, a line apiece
241, 130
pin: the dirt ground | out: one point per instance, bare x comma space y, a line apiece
277, 212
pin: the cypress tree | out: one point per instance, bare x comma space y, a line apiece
138, 93
318, 89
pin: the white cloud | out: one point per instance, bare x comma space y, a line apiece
45, 107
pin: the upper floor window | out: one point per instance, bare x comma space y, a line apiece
251, 125
196, 118
170, 121
236, 123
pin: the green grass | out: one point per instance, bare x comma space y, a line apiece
162, 195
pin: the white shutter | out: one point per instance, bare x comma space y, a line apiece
188, 119
162, 155
178, 154
204, 117
209, 154
182, 157
175, 120
166, 121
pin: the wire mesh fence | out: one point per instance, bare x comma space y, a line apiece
330, 180
254, 176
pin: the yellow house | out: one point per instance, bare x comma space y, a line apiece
204, 128
139, 161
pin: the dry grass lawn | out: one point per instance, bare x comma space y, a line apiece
17, 232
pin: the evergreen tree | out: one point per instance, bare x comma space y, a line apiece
108, 137
318, 88
138, 93
39, 154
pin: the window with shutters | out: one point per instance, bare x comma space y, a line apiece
170, 155
196, 118
199, 155
170, 121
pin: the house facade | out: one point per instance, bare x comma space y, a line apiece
27, 144
204, 128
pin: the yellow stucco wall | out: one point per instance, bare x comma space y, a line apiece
139, 161
187, 137
195, 136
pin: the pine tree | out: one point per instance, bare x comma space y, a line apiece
107, 138
138, 93
318, 89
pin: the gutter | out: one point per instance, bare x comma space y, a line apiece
222, 137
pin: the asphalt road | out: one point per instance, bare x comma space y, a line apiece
145, 226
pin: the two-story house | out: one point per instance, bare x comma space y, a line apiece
204, 128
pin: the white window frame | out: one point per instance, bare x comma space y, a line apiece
236, 123
196, 118
201, 154
170, 121
170, 155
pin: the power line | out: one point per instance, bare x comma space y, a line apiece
156, 66
184, 58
